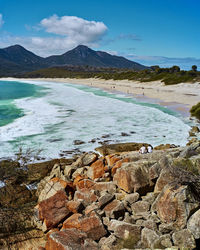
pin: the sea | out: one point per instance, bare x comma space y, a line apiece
50, 116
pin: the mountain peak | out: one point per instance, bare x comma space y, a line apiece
81, 47
15, 47
81, 51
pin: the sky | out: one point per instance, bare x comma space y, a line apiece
151, 32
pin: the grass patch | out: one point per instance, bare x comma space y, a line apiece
195, 110
188, 165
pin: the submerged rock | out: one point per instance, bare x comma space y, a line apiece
78, 142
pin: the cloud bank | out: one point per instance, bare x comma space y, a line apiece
66, 33
74, 27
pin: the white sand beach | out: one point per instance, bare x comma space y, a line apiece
180, 97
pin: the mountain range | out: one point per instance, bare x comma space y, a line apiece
16, 59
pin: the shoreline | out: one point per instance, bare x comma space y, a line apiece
180, 97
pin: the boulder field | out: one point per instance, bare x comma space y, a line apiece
121, 200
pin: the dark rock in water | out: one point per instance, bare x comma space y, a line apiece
78, 142
68, 152
120, 147
132, 132
105, 142
106, 136
72, 153
55, 140
124, 134
92, 141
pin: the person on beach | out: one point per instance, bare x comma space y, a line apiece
149, 149
142, 150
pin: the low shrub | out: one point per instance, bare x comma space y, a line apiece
195, 110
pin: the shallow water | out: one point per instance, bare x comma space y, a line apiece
52, 115
10, 91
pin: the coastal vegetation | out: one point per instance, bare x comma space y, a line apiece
168, 76
195, 111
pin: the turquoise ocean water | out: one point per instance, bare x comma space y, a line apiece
51, 115
10, 91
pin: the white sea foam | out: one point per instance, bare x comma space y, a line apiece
67, 113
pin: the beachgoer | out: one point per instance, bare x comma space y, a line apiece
149, 149
142, 150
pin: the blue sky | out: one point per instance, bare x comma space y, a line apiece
164, 32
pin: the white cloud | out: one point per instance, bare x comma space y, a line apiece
74, 27
1, 20
112, 52
67, 33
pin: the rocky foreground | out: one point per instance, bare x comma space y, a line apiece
121, 200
